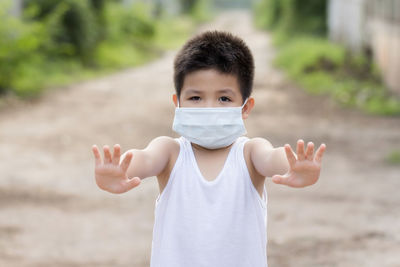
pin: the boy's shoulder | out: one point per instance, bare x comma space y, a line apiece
166, 146
252, 151
256, 142
171, 145
165, 143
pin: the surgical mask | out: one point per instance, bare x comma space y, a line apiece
211, 128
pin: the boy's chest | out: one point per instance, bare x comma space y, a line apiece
210, 166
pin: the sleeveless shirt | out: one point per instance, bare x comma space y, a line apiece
218, 223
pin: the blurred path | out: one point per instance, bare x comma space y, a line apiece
53, 214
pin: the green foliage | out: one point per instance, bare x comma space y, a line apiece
306, 53
292, 16
19, 41
56, 42
267, 13
120, 55
179, 28
318, 65
99, 7
133, 24
186, 5
199, 10
393, 157
322, 67
72, 24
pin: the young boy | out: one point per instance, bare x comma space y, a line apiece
211, 210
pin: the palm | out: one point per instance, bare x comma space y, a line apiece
303, 170
111, 175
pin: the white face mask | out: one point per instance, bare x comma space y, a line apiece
211, 128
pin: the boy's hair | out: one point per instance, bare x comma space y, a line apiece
217, 50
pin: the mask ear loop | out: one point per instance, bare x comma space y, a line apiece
245, 102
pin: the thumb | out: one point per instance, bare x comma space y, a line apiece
279, 179
135, 181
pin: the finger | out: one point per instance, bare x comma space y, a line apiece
107, 154
127, 160
290, 155
97, 156
320, 153
133, 182
117, 154
300, 150
310, 151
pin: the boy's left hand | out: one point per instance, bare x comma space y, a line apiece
303, 170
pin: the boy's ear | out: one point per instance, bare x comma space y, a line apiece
175, 99
247, 108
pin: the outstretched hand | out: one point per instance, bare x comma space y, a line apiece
111, 175
303, 170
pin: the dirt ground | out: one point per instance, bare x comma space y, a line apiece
53, 214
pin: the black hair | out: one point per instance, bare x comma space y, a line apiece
217, 50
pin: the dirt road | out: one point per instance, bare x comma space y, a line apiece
53, 214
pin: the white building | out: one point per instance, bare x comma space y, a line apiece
373, 24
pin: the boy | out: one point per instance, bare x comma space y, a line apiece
211, 210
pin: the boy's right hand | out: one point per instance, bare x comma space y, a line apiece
111, 175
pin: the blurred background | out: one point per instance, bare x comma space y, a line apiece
74, 73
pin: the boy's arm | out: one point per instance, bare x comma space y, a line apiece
152, 160
284, 166
117, 175
266, 159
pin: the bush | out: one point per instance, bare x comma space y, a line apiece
322, 67
267, 13
57, 42
119, 55
19, 44
305, 54
72, 27
319, 65
393, 157
292, 16
133, 24
199, 10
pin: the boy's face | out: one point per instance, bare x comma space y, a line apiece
210, 88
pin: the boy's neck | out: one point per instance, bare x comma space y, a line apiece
204, 149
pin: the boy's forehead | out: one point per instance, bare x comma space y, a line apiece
226, 91
210, 80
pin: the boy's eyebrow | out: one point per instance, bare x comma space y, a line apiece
223, 91
227, 90
193, 91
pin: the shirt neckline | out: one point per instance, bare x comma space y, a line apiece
197, 168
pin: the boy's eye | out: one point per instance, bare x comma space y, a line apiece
224, 99
195, 98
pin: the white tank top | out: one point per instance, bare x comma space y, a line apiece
218, 223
